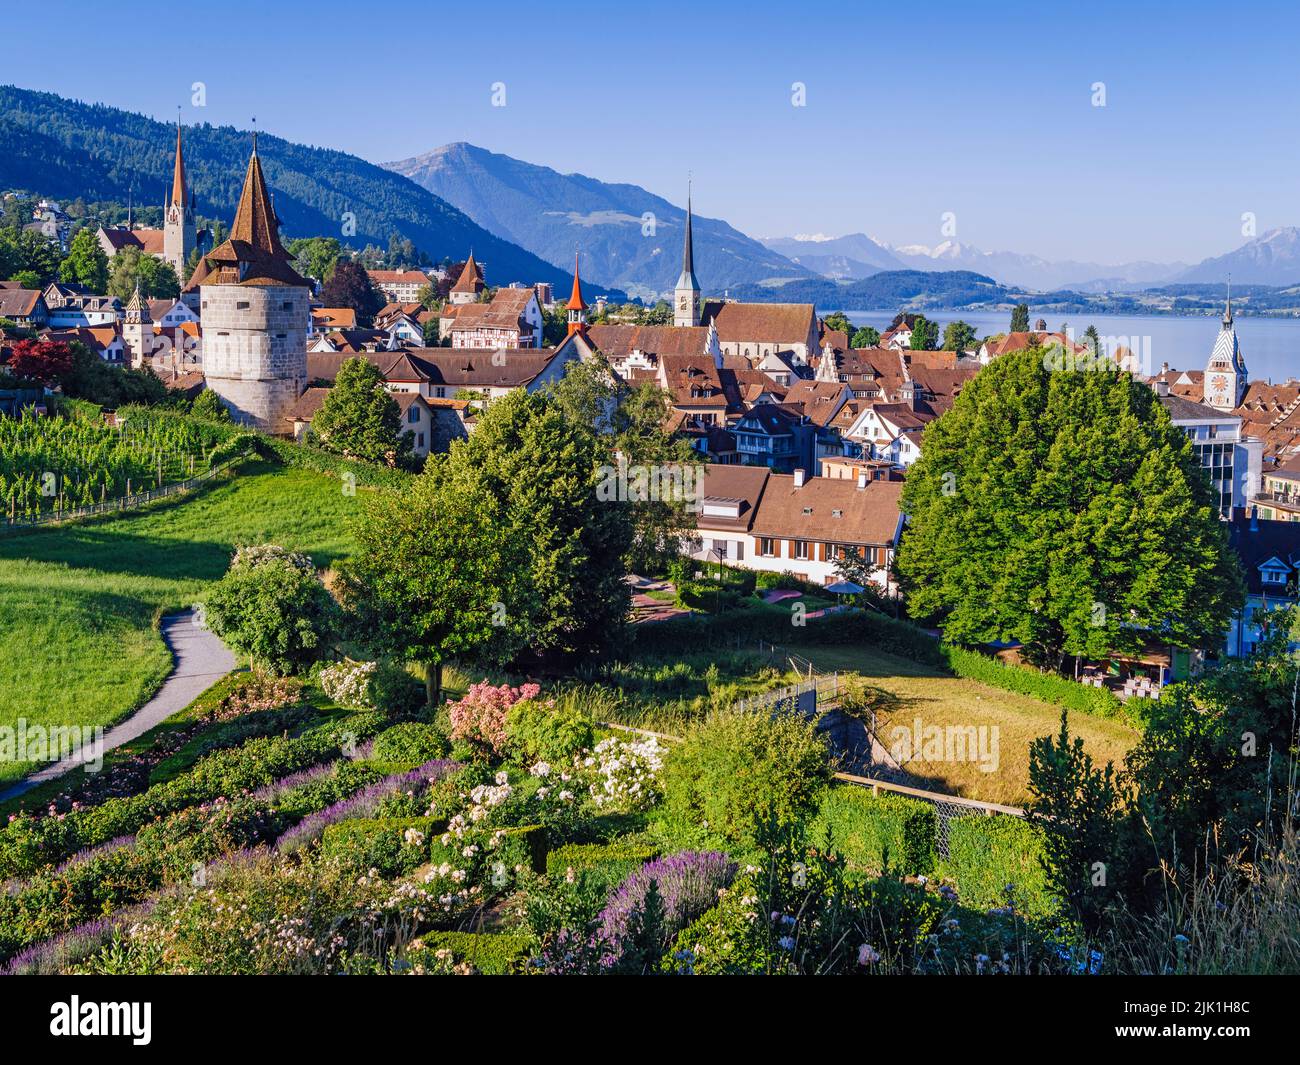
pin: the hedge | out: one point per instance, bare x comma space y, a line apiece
1049, 687
867, 829
380, 843
616, 859
412, 743
490, 953
985, 854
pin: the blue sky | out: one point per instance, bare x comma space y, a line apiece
912, 110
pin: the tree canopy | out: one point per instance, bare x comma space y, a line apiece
1063, 509
360, 419
1020, 318
349, 286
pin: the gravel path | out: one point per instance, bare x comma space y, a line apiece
200, 660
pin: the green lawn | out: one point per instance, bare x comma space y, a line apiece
905, 691
79, 604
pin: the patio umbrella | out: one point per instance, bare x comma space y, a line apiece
845, 588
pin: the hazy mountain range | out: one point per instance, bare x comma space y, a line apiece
630, 239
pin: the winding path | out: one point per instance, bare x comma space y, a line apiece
200, 660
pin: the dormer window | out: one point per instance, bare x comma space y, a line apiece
1272, 576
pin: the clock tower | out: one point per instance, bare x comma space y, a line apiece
1225, 373
686, 296
178, 218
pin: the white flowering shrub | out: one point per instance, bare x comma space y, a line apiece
348, 683
626, 774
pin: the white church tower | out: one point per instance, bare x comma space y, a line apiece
179, 234
686, 296
1225, 373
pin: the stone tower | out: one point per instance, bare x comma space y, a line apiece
137, 329
469, 285
254, 309
686, 296
1225, 373
178, 217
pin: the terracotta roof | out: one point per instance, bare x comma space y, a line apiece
820, 401
335, 317
18, 302
355, 340
941, 386
576, 302
149, 241
178, 174
833, 510
1181, 409
681, 375
471, 278
504, 312
619, 341
901, 415
308, 404
253, 255
777, 323
935, 360
741, 484
481, 367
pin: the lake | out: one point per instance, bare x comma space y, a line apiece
1271, 346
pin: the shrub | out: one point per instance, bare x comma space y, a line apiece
392, 846
273, 608
543, 732
348, 683
626, 774
743, 779
488, 953
479, 719
869, 829
996, 860
618, 858
411, 743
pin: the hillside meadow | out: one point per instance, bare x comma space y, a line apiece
79, 603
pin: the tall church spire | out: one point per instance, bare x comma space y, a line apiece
1227, 313
178, 198
1225, 373
686, 295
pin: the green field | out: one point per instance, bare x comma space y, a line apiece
79, 603
905, 691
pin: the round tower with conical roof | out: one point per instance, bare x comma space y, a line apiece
254, 308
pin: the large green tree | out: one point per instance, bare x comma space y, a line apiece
350, 286
157, 279
360, 419
86, 263
316, 256
866, 337
1020, 318
925, 334
958, 336
1062, 508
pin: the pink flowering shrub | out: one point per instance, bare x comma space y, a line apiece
480, 718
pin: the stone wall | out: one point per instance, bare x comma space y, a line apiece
255, 349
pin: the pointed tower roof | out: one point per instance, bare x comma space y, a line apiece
178, 197
687, 279
471, 278
575, 301
138, 309
1227, 311
253, 255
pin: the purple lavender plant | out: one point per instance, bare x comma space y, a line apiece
362, 804
688, 883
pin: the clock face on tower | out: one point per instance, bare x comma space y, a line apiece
1218, 383
684, 303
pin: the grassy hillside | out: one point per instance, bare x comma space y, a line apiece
67, 149
78, 642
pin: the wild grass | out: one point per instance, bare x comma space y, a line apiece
904, 692
79, 603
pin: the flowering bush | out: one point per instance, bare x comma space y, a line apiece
479, 719
541, 731
626, 774
348, 683
257, 693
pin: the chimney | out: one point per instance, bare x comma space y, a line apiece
862, 478
1162, 388
798, 478
1164, 367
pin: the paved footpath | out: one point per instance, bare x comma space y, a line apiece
200, 660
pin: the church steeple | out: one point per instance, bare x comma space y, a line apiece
179, 236
686, 295
577, 306
1225, 374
